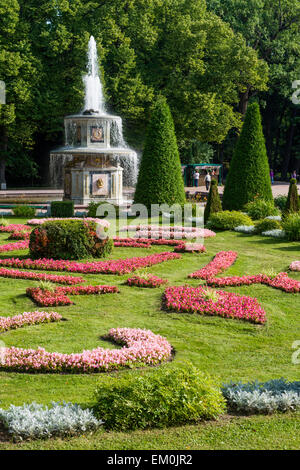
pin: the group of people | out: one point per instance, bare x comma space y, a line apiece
293, 175
207, 179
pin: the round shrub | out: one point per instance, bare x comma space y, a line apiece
24, 211
291, 226
160, 398
280, 202
265, 225
68, 239
259, 209
228, 220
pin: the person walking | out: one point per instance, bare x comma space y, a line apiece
196, 178
207, 181
272, 176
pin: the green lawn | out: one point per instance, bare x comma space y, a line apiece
228, 349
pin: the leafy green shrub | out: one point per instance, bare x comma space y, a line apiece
213, 201
259, 209
68, 239
62, 209
280, 202
160, 180
293, 202
265, 225
160, 398
228, 220
249, 172
24, 211
93, 207
291, 226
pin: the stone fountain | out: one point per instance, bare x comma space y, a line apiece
95, 161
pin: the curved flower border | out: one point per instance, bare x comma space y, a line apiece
27, 318
140, 348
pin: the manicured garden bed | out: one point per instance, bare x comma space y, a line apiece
226, 348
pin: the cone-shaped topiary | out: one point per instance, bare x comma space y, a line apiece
293, 202
160, 180
249, 173
213, 201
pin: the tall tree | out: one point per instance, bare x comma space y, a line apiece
249, 172
160, 180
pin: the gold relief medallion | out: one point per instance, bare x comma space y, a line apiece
100, 183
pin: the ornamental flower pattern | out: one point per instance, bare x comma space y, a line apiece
227, 305
295, 266
27, 318
15, 246
58, 279
140, 348
58, 296
146, 281
14, 228
222, 261
121, 266
281, 281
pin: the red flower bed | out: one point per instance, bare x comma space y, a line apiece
19, 236
146, 281
190, 248
281, 281
58, 296
16, 274
14, 246
146, 242
228, 305
222, 261
121, 266
14, 228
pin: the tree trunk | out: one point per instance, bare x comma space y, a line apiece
3, 155
244, 98
289, 144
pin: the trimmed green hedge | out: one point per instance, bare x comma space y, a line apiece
267, 224
249, 172
62, 209
228, 220
293, 202
160, 398
68, 239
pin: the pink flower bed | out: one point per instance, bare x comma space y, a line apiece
168, 232
190, 248
145, 242
222, 261
14, 228
27, 318
121, 266
16, 274
228, 305
281, 281
140, 347
102, 222
295, 266
147, 281
19, 236
15, 246
58, 296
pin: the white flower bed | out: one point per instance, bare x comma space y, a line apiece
276, 233
39, 421
245, 228
263, 397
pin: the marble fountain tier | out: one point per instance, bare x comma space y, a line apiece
95, 161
